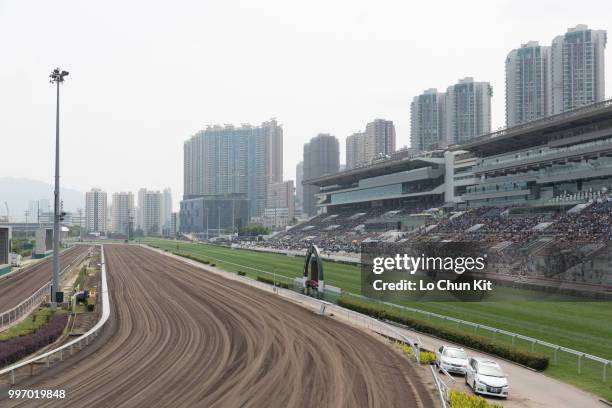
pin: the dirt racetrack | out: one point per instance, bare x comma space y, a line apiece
17, 287
181, 337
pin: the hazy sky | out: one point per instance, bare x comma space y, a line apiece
145, 75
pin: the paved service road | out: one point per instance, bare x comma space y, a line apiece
19, 285
181, 337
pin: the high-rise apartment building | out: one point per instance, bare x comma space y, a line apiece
468, 110
528, 86
427, 120
216, 161
355, 150
96, 211
265, 161
577, 72
166, 211
226, 159
299, 192
280, 205
379, 139
122, 212
175, 224
149, 212
321, 156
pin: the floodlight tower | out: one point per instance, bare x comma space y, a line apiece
57, 77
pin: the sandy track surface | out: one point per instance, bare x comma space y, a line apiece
181, 337
16, 288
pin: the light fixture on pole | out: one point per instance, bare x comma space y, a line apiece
57, 77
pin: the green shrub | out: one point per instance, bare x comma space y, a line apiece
463, 400
427, 357
241, 273
527, 358
406, 348
91, 307
271, 282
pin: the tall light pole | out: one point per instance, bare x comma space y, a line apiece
57, 77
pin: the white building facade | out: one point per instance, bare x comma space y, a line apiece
96, 211
122, 212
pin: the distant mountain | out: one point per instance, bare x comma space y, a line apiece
17, 192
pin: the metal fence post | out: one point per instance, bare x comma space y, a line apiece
604, 371
579, 364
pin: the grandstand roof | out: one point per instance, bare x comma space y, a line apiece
535, 133
378, 169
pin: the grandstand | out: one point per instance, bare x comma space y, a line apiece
539, 194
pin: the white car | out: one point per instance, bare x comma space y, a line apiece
486, 377
452, 359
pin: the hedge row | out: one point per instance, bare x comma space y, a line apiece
460, 399
17, 348
527, 358
192, 257
271, 282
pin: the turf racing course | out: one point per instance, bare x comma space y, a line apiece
179, 336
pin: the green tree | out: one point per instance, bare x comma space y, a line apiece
254, 230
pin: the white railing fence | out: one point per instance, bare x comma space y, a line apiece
442, 387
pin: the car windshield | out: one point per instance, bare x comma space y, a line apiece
454, 353
491, 371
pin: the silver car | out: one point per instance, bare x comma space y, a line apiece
452, 359
486, 377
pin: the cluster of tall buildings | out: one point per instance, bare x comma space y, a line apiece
151, 216
233, 175
545, 80
540, 81
462, 112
